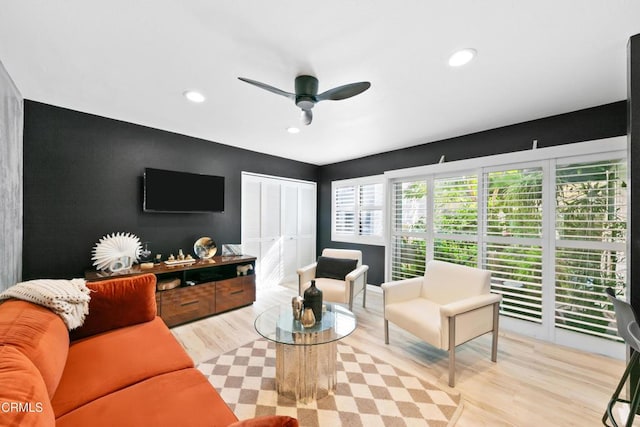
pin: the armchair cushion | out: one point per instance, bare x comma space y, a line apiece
332, 289
335, 268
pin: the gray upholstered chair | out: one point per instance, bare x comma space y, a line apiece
340, 289
449, 306
629, 331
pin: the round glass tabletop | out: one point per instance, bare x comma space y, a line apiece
278, 325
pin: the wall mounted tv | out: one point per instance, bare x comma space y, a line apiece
172, 191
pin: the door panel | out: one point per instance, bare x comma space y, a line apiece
278, 226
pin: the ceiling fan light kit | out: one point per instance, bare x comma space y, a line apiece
306, 94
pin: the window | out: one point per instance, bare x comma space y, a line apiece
358, 210
551, 227
591, 218
455, 219
513, 240
409, 225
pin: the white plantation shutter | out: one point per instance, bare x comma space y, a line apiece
591, 217
345, 210
513, 240
455, 220
371, 205
358, 210
516, 273
551, 227
408, 219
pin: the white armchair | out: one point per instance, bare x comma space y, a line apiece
336, 290
451, 304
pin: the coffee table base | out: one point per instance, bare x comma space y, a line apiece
306, 372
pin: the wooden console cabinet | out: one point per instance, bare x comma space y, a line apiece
207, 287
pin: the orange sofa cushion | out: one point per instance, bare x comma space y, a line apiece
116, 359
119, 302
182, 398
24, 399
39, 334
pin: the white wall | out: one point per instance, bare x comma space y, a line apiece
11, 126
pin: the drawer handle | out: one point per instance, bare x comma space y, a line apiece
237, 292
190, 302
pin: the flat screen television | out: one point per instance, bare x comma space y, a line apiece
172, 191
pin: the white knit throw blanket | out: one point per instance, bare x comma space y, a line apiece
69, 299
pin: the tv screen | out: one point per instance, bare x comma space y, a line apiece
171, 191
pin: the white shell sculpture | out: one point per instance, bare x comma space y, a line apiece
116, 252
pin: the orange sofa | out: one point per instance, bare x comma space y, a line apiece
123, 367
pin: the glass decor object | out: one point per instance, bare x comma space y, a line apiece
145, 252
205, 248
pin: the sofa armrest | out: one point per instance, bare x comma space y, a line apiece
469, 304
402, 290
117, 303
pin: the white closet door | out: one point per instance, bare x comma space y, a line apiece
278, 226
251, 217
271, 269
290, 226
307, 225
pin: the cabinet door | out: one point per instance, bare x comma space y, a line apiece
184, 304
234, 293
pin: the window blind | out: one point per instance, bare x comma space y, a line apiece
513, 243
591, 217
409, 239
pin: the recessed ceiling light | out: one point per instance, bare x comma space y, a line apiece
293, 129
194, 96
462, 57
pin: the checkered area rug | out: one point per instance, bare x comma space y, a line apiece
369, 393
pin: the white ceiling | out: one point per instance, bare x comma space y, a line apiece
132, 60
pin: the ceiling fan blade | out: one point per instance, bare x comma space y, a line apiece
344, 92
275, 90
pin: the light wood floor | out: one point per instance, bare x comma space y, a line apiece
532, 384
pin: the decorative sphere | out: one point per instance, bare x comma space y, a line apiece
205, 248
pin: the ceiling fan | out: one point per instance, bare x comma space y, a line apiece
307, 96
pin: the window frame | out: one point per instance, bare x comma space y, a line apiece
547, 158
355, 237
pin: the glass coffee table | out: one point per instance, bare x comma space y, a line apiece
305, 357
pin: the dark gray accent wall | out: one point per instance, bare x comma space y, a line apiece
83, 180
584, 125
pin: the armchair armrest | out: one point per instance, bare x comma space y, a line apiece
306, 273
117, 303
402, 290
469, 304
355, 274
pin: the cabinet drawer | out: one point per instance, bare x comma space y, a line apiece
184, 304
236, 292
